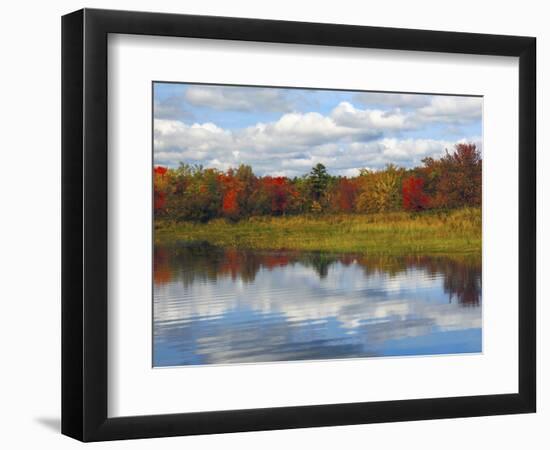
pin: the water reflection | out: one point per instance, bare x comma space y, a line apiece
219, 306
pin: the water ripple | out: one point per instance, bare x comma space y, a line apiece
216, 307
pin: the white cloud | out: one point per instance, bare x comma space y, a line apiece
346, 114
306, 130
238, 99
346, 139
407, 148
451, 109
402, 152
290, 146
176, 135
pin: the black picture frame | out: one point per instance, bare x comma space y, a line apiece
84, 224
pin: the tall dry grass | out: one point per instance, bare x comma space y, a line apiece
456, 231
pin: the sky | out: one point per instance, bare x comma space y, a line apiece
285, 132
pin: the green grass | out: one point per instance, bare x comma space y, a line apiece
457, 231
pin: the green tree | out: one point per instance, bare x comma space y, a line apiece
319, 180
248, 183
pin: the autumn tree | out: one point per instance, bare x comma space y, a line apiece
279, 193
414, 197
380, 191
455, 180
344, 194
248, 183
302, 200
160, 187
231, 189
195, 193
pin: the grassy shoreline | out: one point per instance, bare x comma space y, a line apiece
457, 232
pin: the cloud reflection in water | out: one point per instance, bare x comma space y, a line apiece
215, 306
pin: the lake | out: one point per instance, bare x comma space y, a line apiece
223, 306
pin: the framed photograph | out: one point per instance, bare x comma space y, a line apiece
272, 224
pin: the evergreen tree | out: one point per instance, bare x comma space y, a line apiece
319, 179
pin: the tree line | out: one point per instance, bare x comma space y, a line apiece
195, 193
461, 279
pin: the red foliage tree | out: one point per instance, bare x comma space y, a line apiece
346, 193
454, 180
192, 192
229, 204
280, 193
159, 188
231, 190
414, 197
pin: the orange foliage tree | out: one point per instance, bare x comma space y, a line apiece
191, 192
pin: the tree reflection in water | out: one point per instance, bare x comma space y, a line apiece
189, 263
222, 306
